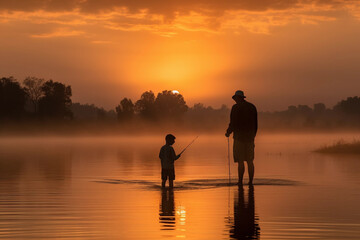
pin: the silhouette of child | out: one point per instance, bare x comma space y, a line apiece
167, 156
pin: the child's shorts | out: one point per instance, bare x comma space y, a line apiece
168, 173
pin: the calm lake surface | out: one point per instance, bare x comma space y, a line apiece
109, 188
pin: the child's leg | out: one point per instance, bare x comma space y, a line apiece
163, 183
171, 177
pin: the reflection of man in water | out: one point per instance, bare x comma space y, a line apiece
243, 123
245, 222
167, 209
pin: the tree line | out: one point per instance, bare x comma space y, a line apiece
36, 98
171, 107
345, 114
165, 106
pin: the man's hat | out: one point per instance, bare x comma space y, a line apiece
169, 137
239, 93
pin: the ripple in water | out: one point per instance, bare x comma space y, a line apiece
200, 183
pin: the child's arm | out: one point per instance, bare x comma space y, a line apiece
174, 156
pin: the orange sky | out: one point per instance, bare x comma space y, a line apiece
280, 52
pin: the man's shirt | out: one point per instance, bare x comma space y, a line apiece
243, 121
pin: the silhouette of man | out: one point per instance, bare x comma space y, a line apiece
246, 224
244, 124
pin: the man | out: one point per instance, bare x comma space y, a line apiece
243, 123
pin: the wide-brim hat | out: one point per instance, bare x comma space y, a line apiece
239, 93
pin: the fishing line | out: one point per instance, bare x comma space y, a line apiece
228, 217
229, 159
189, 144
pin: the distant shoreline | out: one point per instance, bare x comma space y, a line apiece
341, 147
103, 129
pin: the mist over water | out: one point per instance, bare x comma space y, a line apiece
109, 188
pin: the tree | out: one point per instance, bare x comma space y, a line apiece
319, 108
350, 106
56, 102
146, 105
304, 110
101, 114
33, 88
201, 117
170, 105
125, 110
292, 109
12, 98
90, 112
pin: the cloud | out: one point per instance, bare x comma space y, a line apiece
35, 5
167, 18
165, 8
100, 42
62, 32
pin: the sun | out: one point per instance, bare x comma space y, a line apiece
175, 91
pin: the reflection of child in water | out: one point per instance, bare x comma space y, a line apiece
167, 209
167, 156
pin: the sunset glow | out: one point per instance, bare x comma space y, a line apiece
179, 119
270, 49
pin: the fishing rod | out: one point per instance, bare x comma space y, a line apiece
189, 145
228, 142
229, 219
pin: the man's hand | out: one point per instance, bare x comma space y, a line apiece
178, 156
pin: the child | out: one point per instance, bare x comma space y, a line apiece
168, 157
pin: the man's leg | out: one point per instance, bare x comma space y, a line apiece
251, 171
250, 147
241, 170
237, 151
171, 183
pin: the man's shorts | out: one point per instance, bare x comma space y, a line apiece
243, 150
168, 173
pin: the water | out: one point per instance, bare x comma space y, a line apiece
109, 188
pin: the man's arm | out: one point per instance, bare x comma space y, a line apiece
230, 129
256, 120
160, 153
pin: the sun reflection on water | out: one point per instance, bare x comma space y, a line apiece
171, 217
181, 213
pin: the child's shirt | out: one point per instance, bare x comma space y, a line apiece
167, 156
